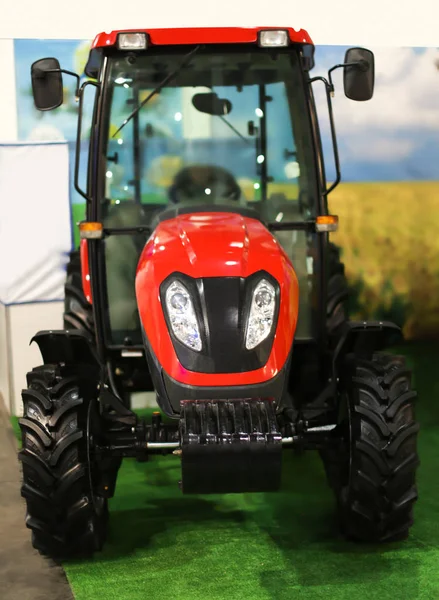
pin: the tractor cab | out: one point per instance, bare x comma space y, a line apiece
203, 120
229, 130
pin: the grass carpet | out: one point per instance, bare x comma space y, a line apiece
164, 545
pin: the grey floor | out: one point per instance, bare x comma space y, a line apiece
24, 574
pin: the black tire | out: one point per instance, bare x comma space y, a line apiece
373, 471
65, 515
78, 313
336, 307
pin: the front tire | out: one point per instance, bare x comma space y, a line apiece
65, 515
373, 470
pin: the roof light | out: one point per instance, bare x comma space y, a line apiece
89, 230
273, 38
326, 223
131, 41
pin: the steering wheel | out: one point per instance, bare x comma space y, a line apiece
200, 182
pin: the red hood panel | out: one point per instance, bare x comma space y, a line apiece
212, 245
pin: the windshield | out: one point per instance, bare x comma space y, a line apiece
228, 127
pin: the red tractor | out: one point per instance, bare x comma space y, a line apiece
208, 277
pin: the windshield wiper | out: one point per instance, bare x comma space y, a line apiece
186, 60
224, 120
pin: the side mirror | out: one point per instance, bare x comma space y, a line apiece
47, 86
359, 74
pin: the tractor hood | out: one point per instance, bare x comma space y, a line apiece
219, 257
211, 245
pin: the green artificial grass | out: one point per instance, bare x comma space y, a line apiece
16, 428
163, 545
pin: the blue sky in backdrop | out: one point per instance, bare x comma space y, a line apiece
393, 137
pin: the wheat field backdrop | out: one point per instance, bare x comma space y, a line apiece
389, 235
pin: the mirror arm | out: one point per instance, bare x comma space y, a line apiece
362, 64
78, 138
329, 91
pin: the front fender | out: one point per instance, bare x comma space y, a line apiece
363, 338
66, 346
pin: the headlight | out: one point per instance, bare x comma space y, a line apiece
260, 320
182, 316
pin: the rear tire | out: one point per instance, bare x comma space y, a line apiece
373, 471
337, 294
66, 516
78, 313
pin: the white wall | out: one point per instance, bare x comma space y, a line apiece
375, 23
8, 113
4, 358
24, 322
34, 195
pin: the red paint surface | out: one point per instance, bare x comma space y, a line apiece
85, 271
201, 35
214, 245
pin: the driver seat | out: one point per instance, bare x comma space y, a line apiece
204, 184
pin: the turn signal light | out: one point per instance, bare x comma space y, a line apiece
89, 230
326, 223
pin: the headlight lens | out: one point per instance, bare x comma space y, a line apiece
182, 316
132, 41
260, 321
273, 38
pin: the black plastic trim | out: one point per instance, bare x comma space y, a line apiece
222, 306
175, 211
94, 63
171, 392
176, 391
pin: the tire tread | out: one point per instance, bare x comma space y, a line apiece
376, 502
55, 473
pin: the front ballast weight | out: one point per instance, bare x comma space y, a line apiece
230, 446
225, 446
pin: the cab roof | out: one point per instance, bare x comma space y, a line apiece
201, 35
